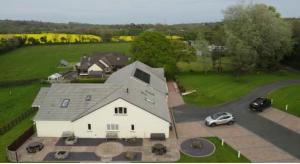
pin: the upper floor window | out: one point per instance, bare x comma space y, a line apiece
120, 110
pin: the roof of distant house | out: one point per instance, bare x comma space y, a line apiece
103, 60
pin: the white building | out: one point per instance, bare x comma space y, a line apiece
131, 103
55, 77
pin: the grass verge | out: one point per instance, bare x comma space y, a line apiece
288, 95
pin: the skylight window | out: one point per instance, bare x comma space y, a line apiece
141, 75
65, 103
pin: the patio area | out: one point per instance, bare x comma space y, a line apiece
99, 150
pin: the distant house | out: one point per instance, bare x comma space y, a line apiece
55, 77
131, 103
99, 64
63, 63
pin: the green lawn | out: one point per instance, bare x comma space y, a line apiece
288, 95
213, 88
41, 61
11, 135
14, 101
223, 154
203, 63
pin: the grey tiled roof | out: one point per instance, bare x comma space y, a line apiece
50, 106
150, 97
157, 79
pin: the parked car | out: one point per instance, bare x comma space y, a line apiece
219, 118
259, 104
34, 147
61, 155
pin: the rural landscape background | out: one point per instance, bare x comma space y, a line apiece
212, 58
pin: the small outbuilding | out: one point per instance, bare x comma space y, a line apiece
54, 77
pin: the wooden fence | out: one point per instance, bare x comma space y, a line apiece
11, 150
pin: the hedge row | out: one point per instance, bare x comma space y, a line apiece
88, 80
17, 120
12, 83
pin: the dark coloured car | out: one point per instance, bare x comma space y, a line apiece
34, 147
259, 104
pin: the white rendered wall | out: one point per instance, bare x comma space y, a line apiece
144, 122
52, 128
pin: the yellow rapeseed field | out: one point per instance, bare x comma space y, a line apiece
48, 38
44, 38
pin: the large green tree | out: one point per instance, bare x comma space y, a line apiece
256, 36
154, 49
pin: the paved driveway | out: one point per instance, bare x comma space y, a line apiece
248, 143
174, 96
282, 137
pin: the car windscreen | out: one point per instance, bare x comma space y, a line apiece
217, 115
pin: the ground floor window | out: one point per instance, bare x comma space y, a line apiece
112, 127
132, 127
89, 126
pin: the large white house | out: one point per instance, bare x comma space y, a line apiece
131, 103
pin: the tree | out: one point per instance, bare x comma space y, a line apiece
152, 48
183, 51
243, 57
259, 33
201, 45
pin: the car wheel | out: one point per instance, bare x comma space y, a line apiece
230, 123
213, 124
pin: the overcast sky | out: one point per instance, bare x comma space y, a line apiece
130, 11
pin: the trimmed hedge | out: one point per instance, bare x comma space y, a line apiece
17, 120
10, 83
89, 80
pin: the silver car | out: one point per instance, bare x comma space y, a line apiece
219, 119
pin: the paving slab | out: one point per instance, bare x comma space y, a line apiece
192, 130
174, 96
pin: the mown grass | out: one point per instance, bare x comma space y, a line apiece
288, 95
223, 154
43, 60
213, 89
16, 100
11, 135
203, 64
